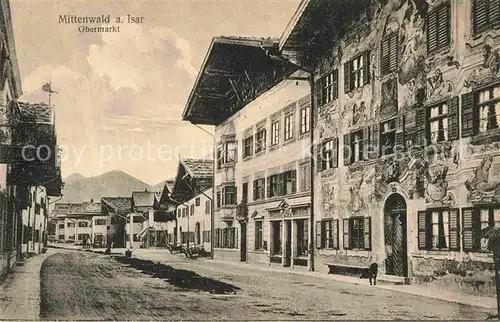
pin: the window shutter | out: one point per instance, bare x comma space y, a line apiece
422, 230
318, 235
319, 158
302, 178
468, 229
268, 187
347, 149
347, 77
480, 16
432, 32
385, 58
400, 132
421, 127
294, 181
394, 49
335, 83
366, 67
467, 114
368, 233
494, 13
281, 184
346, 230
366, 142
335, 153
374, 149
335, 231
444, 25
454, 230
318, 88
453, 118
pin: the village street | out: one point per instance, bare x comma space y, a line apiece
79, 285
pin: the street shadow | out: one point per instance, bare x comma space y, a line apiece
178, 277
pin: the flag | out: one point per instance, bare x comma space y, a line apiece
48, 88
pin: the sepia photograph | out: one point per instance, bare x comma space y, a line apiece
241, 160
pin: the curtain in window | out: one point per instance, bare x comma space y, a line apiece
446, 229
496, 217
435, 229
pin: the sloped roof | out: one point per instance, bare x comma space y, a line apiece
39, 112
198, 168
143, 198
119, 204
91, 207
63, 209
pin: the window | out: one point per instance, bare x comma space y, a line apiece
197, 201
226, 153
218, 199
389, 54
357, 146
244, 191
328, 230
207, 207
488, 108
288, 127
137, 219
305, 177
71, 224
485, 15
274, 186
179, 210
248, 144
290, 184
275, 132
329, 152
388, 136
260, 141
438, 229
302, 237
438, 28
258, 189
329, 87
437, 116
61, 237
61, 226
229, 195
160, 216
100, 222
356, 233
305, 125
191, 209
226, 237
184, 212
356, 72
476, 221
219, 157
258, 235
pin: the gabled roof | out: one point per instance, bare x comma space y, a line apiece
91, 207
198, 168
317, 24
118, 204
143, 198
64, 209
236, 70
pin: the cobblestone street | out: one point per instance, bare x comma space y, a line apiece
84, 285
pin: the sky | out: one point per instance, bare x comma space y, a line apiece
120, 96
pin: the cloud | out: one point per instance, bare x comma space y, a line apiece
142, 58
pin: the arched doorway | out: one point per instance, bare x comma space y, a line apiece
198, 234
395, 235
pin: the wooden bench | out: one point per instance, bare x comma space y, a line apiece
337, 268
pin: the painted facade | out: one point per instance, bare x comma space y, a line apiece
409, 96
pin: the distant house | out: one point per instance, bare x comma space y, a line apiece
192, 194
116, 210
76, 222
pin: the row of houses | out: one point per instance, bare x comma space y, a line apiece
30, 176
368, 132
178, 214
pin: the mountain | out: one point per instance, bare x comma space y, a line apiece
109, 184
74, 178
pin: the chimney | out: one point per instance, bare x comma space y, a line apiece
145, 189
91, 200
